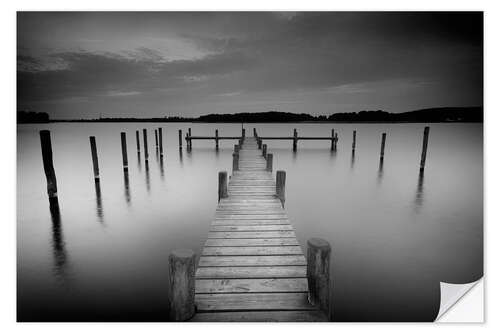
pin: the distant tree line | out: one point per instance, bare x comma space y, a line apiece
445, 114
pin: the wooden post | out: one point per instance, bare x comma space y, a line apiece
353, 140
382, 147
95, 162
180, 139
336, 140
236, 149
280, 186
124, 150
190, 142
48, 167
156, 139
137, 141
264, 150
259, 142
333, 140
222, 185
160, 138
181, 268
269, 163
236, 161
424, 148
294, 139
216, 139
318, 273
242, 132
254, 132
145, 137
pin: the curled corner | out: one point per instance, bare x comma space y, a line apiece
451, 293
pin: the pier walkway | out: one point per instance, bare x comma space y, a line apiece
252, 267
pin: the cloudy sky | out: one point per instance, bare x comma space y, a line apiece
81, 65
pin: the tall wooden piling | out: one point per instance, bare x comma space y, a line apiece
259, 143
264, 150
189, 142
137, 141
318, 273
160, 139
269, 162
145, 139
182, 283
180, 139
222, 185
124, 150
95, 161
295, 139
424, 148
242, 132
254, 132
382, 147
336, 140
236, 162
353, 140
280, 186
156, 139
332, 146
216, 139
48, 167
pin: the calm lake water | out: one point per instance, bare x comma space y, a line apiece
394, 235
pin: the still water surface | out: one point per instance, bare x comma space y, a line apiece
395, 234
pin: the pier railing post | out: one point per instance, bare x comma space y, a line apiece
137, 141
236, 161
216, 139
424, 148
318, 273
124, 150
95, 161
264, 150
222, 185
295, 139
382, 147
280, 186
145, 135
180, 139
269, 162
353, 140
333, 140
160, 138
48, 167
182, 284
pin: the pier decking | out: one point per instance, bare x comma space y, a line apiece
252, 267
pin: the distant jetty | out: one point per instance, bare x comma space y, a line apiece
431, 115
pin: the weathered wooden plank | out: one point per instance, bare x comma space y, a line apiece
251, 216
276, 227
251, 250
257, 301
251, 234
205, 286
249, 222
261, 316
251, 272
251, 260
251, 242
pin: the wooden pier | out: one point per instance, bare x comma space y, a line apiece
252, 267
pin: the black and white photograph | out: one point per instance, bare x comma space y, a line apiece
248, 166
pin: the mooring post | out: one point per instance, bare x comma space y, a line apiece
242, 132
254, 132
124, 150
333, 140
145, 139
137, 141
336, 140
318, 273
160, 138
294, 139
216, 139
424, 148
48, 166
382, 147
189, 143
264, 150
222, 185
236, 161
180, 139
280, 186
95, 162
181, 268
156, 139
353, 140
259, 142
236, 149
269, 162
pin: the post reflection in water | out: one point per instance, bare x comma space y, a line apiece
180, 156
139, 161
380, 173
148, 183
58, 245
419, 195
127, 186
353, 159
98, 201
162, 170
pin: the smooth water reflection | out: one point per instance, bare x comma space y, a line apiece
390, 247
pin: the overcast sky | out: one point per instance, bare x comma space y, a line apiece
81, 65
